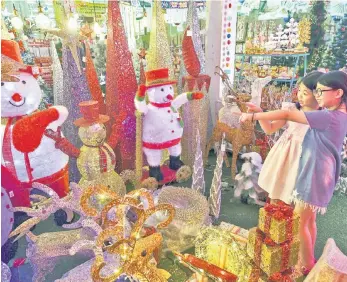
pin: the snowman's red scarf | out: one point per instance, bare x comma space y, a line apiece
161, 105
103, 157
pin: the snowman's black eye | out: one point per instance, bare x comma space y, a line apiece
2, 84
170, 87
162, 89
24, 82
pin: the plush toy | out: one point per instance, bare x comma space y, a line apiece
27, 154
162, 124
95, 159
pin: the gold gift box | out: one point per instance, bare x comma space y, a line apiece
217, 245
278, 231
271, 256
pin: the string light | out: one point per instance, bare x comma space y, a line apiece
16, 21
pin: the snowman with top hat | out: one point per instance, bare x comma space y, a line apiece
28, 155
162, 124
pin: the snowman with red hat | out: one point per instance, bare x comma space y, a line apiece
27, 154
162, 124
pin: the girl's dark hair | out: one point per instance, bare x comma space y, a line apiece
335, 80
310, 81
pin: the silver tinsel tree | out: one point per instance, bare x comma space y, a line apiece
198, 183
58, 81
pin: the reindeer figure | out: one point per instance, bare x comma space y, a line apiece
127, 251
240, 136
44, 250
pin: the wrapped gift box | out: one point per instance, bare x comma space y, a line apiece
220, 247
271, 257
280, 227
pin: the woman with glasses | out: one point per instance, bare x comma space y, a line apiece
320, 160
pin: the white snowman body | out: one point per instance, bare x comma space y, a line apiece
162, 128
19, 99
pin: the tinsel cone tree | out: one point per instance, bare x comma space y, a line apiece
339, 46
318, 15
121, 86
75, 91
159, 53
198, 182
247, 180
93, 81
58, 82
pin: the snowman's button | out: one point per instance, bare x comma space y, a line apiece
172, 131
171, 120
168, 111
2, 194
11, 219
7, 206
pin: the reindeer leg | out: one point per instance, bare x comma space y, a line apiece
236, 150
226, 160
208, 147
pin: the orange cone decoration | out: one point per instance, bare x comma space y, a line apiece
93, 82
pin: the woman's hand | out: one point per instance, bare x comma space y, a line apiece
246, 117
252, 108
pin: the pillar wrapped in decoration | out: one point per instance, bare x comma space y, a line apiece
197, 113
121, 86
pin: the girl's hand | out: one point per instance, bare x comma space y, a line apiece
245, 117
252, 108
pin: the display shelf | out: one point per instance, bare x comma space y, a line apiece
297, 57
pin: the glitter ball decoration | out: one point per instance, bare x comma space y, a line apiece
75, 91
159, 54
93, 82
58, 78
121, 86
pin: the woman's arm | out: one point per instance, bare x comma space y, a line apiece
296, 116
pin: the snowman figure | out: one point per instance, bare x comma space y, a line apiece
162, 124
95, 159
27, 154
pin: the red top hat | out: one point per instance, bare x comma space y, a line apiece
90, 113
10, 49
159, 77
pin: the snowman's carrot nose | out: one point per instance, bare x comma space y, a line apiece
169, 97
17, 97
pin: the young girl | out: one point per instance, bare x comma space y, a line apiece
320, 161
283, 159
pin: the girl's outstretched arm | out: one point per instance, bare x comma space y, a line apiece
268, 126
296, 116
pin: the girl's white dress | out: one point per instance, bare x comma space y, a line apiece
279, 171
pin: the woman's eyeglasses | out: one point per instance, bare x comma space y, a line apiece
319, 92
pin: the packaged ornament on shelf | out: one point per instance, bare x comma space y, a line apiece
279, 222
269, 256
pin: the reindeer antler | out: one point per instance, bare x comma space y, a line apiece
25, 227
90, 191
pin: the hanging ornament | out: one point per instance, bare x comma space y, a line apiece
16, 21
41, 20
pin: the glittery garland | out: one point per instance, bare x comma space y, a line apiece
159, 53
58, 80
121, 86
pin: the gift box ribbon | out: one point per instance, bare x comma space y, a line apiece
279, 211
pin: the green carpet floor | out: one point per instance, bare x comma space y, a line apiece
332, 225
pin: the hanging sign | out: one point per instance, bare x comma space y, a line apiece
180, 4
91, 10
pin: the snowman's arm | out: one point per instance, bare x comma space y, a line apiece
63, 114
28, 131
186, 97
140, 101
